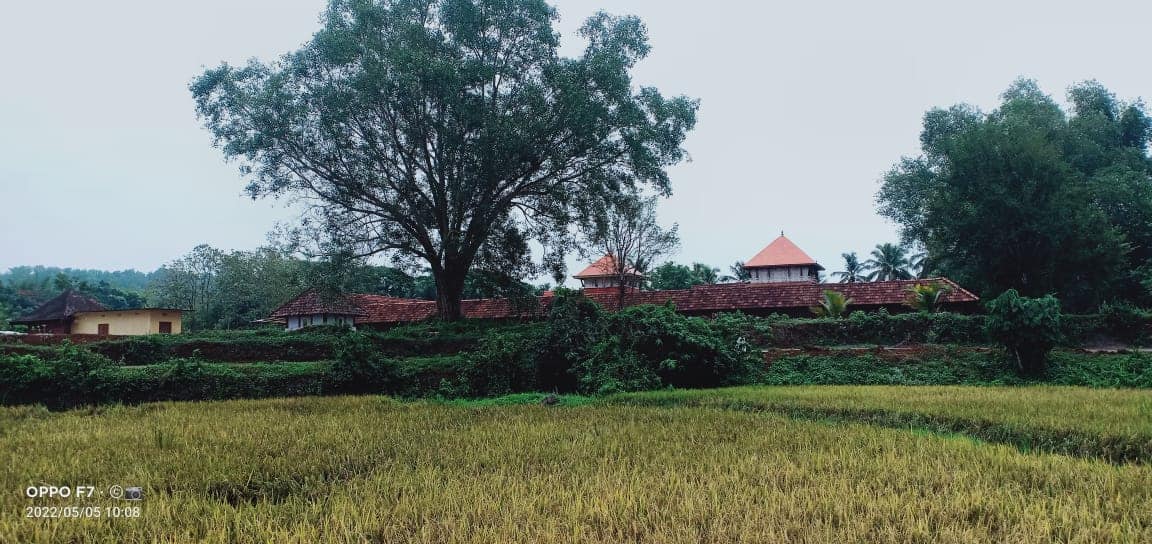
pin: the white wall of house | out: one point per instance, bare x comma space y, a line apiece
779, 274
300, 321
593, 283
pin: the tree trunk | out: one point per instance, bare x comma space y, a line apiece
449, 291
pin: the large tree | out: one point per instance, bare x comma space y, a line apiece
430, 129
1029, 196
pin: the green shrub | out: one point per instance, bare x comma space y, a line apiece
1125, 322
359, 366
24, 379
647, 347
1028, 328
575, 324
503, 364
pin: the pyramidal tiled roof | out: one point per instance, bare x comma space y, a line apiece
62, 306
604, 267
781, 252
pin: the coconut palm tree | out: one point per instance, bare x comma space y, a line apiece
853, 269
927, 297
920, 264
832, 304
888, 262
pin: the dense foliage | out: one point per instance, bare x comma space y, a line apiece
1033, 198
448, 132
1028, 328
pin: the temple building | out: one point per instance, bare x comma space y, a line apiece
782, 261
603, 273
784, 280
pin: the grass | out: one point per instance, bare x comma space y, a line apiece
1110, 423
369, 469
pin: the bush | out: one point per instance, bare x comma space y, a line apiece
575, 324
1125, 322
503, 364
24, 379
935, 367
877, 328
1028, 328
359, 367
648, 347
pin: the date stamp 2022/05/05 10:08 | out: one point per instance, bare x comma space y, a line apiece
84, 501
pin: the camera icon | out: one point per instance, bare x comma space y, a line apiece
126, 493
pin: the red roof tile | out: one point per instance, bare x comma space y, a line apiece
604, 267
781, 252
700, 299
311, 302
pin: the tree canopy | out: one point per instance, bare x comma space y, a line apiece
448, 131
672, 275
1030, 196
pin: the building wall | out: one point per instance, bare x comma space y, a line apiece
596, 283
126, 322
316, 320
782, 274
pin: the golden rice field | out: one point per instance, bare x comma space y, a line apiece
1119, 412
368, 469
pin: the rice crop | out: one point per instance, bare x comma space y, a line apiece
1110, 423
369, 469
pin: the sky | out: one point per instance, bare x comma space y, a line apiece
804, 106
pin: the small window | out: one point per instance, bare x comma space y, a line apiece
165, 327
102, 329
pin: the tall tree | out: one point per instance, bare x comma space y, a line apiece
853, 269
629, 233
429, 128
889, 262
1031, 197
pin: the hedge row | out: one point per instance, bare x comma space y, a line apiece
88, 379
1125, 325
295, 346
952, 366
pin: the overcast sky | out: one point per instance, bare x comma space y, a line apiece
803, 107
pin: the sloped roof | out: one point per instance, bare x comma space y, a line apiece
312, 302
699, 299
883, 292
781, 252
62, 306
604, 267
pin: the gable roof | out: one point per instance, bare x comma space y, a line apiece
604, 267
781, 252
62, 306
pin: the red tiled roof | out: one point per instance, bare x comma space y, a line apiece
700, 299
883, 292
604, 267
781, 252
311, 302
